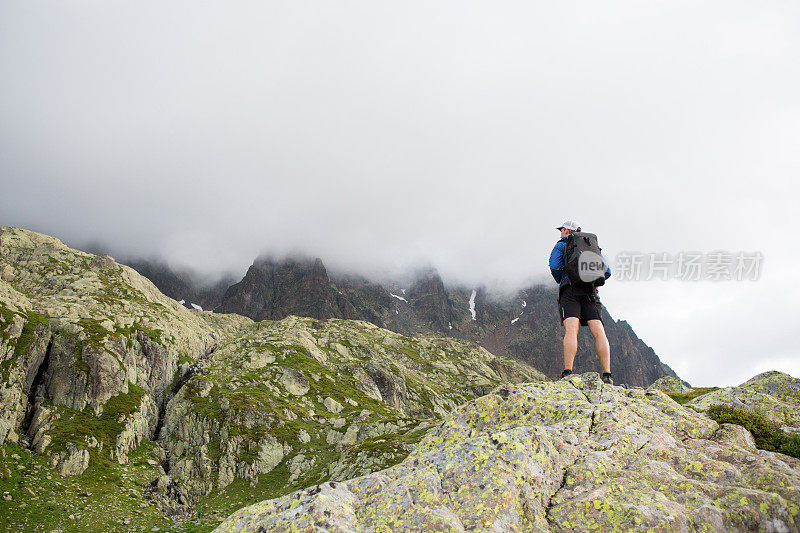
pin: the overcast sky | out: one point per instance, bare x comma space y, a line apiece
382, 135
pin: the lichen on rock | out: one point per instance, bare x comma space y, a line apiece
670, 384
572, 455
774, 395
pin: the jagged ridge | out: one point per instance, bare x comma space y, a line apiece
524, 326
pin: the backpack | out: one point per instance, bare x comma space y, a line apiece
585, 266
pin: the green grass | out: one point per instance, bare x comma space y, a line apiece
768, 435
684, 398
99, 499
151, 333
28, 334
219, 504
96, 333
184, 358
6, 319
74, 426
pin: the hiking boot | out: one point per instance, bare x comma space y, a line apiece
607, 378
566, 373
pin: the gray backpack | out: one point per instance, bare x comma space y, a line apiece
583, 262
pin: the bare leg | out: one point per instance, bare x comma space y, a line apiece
601, 344
571, 325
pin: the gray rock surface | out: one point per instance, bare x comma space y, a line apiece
670, 384
774, 395
74, 462
572, 455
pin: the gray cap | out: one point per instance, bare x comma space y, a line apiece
571, 225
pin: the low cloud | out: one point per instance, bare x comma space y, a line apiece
382, 137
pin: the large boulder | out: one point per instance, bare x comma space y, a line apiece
572, 455
774, 395
670, 385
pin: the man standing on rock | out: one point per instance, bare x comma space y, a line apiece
578, 306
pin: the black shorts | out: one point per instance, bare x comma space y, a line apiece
585, 307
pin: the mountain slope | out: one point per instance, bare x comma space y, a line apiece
182, 285
305, 401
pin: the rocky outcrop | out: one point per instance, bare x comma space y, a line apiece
24, 340
572, 455
670, 385
138, 426
774, 395
73, 462
83, 338
431, 303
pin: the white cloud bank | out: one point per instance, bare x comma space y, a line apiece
362, 131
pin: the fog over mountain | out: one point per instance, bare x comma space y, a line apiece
382, 137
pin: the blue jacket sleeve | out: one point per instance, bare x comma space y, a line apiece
557, 261
608, 268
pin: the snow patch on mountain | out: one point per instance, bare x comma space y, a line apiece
398, 297
472, 303
524, 305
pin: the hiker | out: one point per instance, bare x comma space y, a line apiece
579, 305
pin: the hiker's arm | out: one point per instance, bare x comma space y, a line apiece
557, 262
608, 268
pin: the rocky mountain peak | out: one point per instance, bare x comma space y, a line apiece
524, 325
430, 300
274, 289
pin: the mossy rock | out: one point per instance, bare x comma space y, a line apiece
773, 395
571, 455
